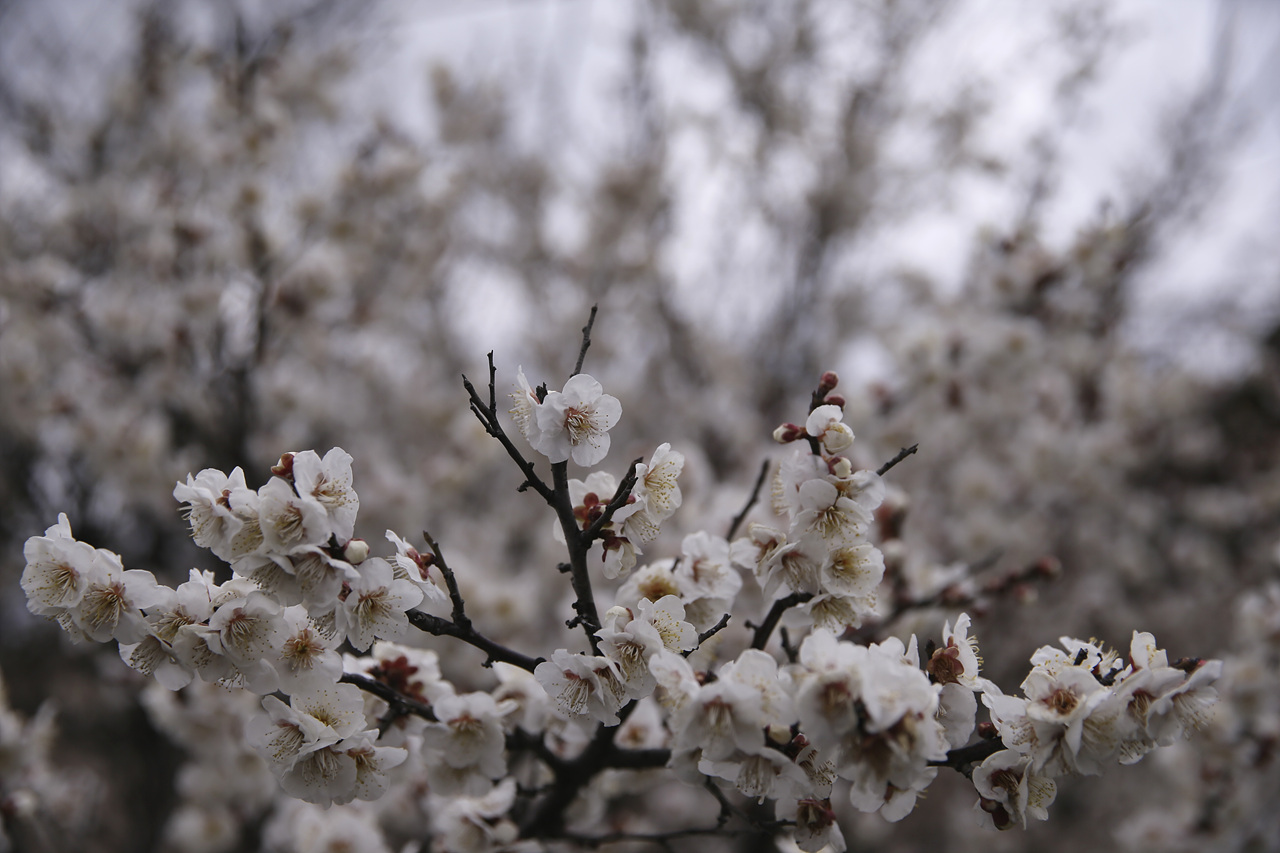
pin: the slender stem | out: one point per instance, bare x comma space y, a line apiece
709, 633
460, 617
487, 415
584, 600
400, 704
617, 502
902, 454
496, 652
586, 340
751, 501
761, 638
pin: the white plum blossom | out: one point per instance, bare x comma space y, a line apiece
825, 423
575, 422
1009, 791
468, 733
582, 686
328, 482
375, 605
290, 522
409, 564
666, 615
222, 512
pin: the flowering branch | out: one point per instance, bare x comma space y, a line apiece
584, 604
619, 500
487, 414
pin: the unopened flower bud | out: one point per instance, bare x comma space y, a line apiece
828, 381
842, 468
356, 551
834, 400
284, 468
788, 433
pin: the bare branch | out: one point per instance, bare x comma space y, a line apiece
586, 340
751, 501
761, 638
902, 454
460, 617
496, 652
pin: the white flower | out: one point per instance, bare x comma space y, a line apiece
826, 511
57, 571
290, 522
957, 661
328, 482
657, 487
576, 422
524, 405
411, 565
1008, 791
373, 763
469, 733
305, 653
376, 604
222, 512
825, 424
581, 686
629, 643
303, 742
666, 615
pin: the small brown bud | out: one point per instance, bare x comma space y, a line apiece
834, 400
828, 381
284, 468
788, 433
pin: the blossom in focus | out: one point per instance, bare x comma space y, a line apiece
575, 422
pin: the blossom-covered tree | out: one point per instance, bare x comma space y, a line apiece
224, 255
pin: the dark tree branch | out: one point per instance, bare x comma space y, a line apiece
586, 340
963, 758
401, 705
460, 617
584, 599
902, 454
761, 638
617, 502
751, 501
709, 633
496, 652
487, 414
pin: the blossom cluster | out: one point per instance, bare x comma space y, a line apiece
353, 708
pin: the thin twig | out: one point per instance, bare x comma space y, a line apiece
469, 635
709, 633
584, 600
488, 417
962, 759
399, 703
761, 638
617, 502
902, 454
586, 340
751, 501
460, 617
